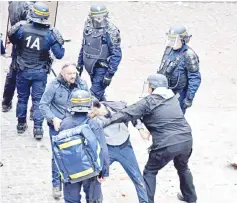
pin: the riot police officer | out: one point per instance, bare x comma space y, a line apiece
34, 39
180, 64
80, 105
100, 53
171, 134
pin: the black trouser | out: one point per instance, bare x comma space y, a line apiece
180, 154
10, 84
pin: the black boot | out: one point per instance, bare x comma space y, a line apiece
21, 127
38, 133
181, 198
6, 108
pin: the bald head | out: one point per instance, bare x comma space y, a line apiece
69, 72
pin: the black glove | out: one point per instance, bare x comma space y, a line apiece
107, 81
79, 69
187, 103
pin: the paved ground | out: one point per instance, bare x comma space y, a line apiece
25, 176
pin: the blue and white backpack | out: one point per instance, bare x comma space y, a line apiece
77, 154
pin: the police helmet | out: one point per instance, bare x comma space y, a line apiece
98, 10
98, 15
81, 101
157, 80
39, 13
180, 32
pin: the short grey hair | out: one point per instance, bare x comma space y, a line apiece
68, 64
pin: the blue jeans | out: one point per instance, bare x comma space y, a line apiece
124, 154
92, 189
97, 87
10, 84
25, 80
56, 179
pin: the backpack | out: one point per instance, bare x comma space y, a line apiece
77, 154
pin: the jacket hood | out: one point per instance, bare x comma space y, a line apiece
164, 92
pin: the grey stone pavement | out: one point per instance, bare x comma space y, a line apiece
26, 174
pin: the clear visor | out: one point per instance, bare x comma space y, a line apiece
174, 41
145, 89
98, 21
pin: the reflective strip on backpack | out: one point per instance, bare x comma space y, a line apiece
60, 172
69, 144
98, 153
82, 173
61, 175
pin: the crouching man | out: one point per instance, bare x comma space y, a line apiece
82, 133
119, 146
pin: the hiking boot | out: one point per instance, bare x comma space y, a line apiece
57, 192
181, 198
38, 133
21, 127
6, 108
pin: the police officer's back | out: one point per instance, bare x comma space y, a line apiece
81, 104
34, 39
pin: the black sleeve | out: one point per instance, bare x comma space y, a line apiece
131, 113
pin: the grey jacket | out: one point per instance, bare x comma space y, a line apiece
56, 98
115, 134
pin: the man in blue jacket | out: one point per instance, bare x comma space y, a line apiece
54, 107
100, 52
81, 104
34, 40
180, 64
